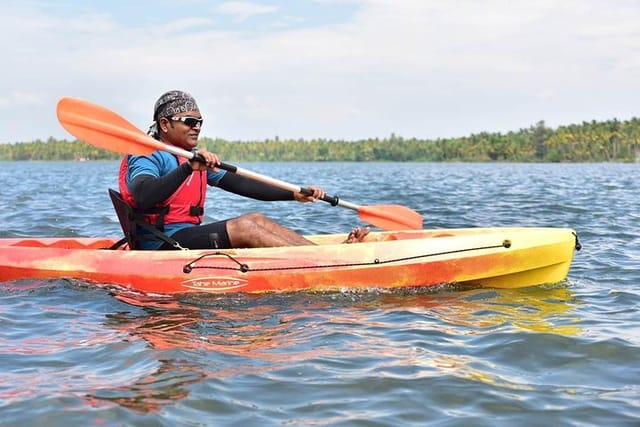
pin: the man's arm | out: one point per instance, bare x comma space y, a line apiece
148, 190
251, 188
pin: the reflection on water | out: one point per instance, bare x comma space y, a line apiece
150, 393
537, 309
199, 338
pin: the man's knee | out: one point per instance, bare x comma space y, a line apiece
253, 218
246, 221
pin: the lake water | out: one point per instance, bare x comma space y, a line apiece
560, 355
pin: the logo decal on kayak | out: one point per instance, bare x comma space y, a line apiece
214, 284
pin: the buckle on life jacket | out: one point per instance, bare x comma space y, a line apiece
196, 210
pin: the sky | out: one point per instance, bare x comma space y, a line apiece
333, 69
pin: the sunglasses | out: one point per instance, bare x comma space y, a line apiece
189, 121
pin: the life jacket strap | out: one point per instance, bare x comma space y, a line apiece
130, 220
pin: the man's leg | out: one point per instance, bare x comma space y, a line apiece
255, 230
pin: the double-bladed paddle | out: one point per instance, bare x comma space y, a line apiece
105, 129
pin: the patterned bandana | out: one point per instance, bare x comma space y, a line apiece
169, 104
174, 102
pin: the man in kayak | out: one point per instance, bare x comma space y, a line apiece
170, 191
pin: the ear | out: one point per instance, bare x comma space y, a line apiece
163, 124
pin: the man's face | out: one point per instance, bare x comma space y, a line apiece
183, 129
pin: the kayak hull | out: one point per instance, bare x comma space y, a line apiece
492, 257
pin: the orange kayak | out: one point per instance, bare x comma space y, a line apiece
492, 257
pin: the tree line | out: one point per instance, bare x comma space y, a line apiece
595, 141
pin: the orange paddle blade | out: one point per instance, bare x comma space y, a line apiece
103, 128
391, 217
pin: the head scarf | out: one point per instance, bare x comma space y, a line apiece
169, 104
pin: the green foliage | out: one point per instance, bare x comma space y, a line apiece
608, 141
54, 149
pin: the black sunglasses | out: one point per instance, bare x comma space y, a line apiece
189, 121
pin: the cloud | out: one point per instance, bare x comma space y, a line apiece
242, 10
21, 99
186, 24
423, 68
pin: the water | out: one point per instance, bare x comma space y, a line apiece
566, 354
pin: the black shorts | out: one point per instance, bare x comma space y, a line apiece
207, 236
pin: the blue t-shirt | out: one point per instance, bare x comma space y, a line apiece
158, 164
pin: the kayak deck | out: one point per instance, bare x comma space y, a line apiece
492, 257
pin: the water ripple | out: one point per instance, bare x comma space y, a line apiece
71, 353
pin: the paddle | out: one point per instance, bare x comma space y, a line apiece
105, 129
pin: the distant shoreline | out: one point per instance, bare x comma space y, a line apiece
610, 141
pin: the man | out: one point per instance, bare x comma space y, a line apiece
171, 191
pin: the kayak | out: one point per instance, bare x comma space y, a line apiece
491, 257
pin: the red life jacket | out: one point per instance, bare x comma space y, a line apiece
185, 205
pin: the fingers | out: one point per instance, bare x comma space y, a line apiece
210, 160
317, 193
